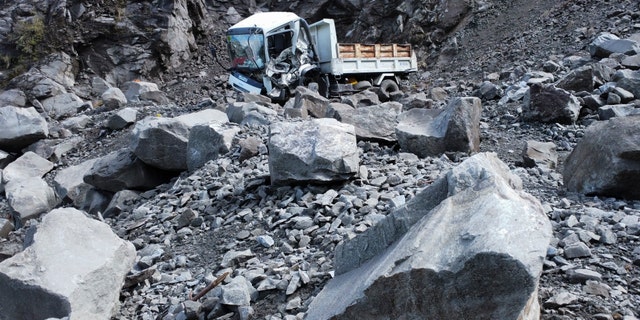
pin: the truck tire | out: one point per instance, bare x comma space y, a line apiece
388, 86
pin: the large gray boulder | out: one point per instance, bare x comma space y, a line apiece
21, 127
69, 183
26, 166
377, 122
540, 154
74, 267
133, 89
618, 110
121, 170
317, 150
240, 112
113, 98
208, 142
205, 116
122, 118
161, 142
62, 105
311, 101
606, 44
29, 197
607, 159
471, 246
546, 103
430, 132
628, 80
586, 78
13, 97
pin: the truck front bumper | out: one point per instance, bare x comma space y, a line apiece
243, 83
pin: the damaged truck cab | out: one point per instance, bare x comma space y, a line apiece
272, 53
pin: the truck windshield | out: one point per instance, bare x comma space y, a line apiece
246, 50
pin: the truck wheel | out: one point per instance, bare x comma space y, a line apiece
388, 86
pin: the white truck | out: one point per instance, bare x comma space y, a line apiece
274, 52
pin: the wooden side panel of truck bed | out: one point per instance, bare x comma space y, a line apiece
359, 50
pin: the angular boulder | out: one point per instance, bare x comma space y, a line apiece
121, 170
361, 99
207, 142
21, 127
430, 132
161, 142
628, 80
205, 116
471, 246
619, 110
122, 118
606, 161
13, 97
585, 78
317, 150
540, 154
133, 89
606, 44
51, 76
29, 197
69, 183
311, 101
376, 122
239, 112
26, 166
74, 267
546, 103
62, 105
113, 98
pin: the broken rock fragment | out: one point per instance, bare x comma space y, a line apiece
607, 159
476, 255
74, 267
318, 150
430, 132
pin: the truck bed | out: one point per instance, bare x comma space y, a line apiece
358, 58
360, 50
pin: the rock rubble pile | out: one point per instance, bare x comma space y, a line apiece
239, 208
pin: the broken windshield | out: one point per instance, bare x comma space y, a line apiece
246, 50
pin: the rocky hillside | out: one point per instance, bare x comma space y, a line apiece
499, 182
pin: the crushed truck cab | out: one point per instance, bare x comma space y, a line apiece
274, 52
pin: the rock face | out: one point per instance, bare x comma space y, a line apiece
476, 254
547, 103
427, 132
318, 150
607, 159
21, 127
74, 267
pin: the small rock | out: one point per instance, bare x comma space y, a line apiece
577, 250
